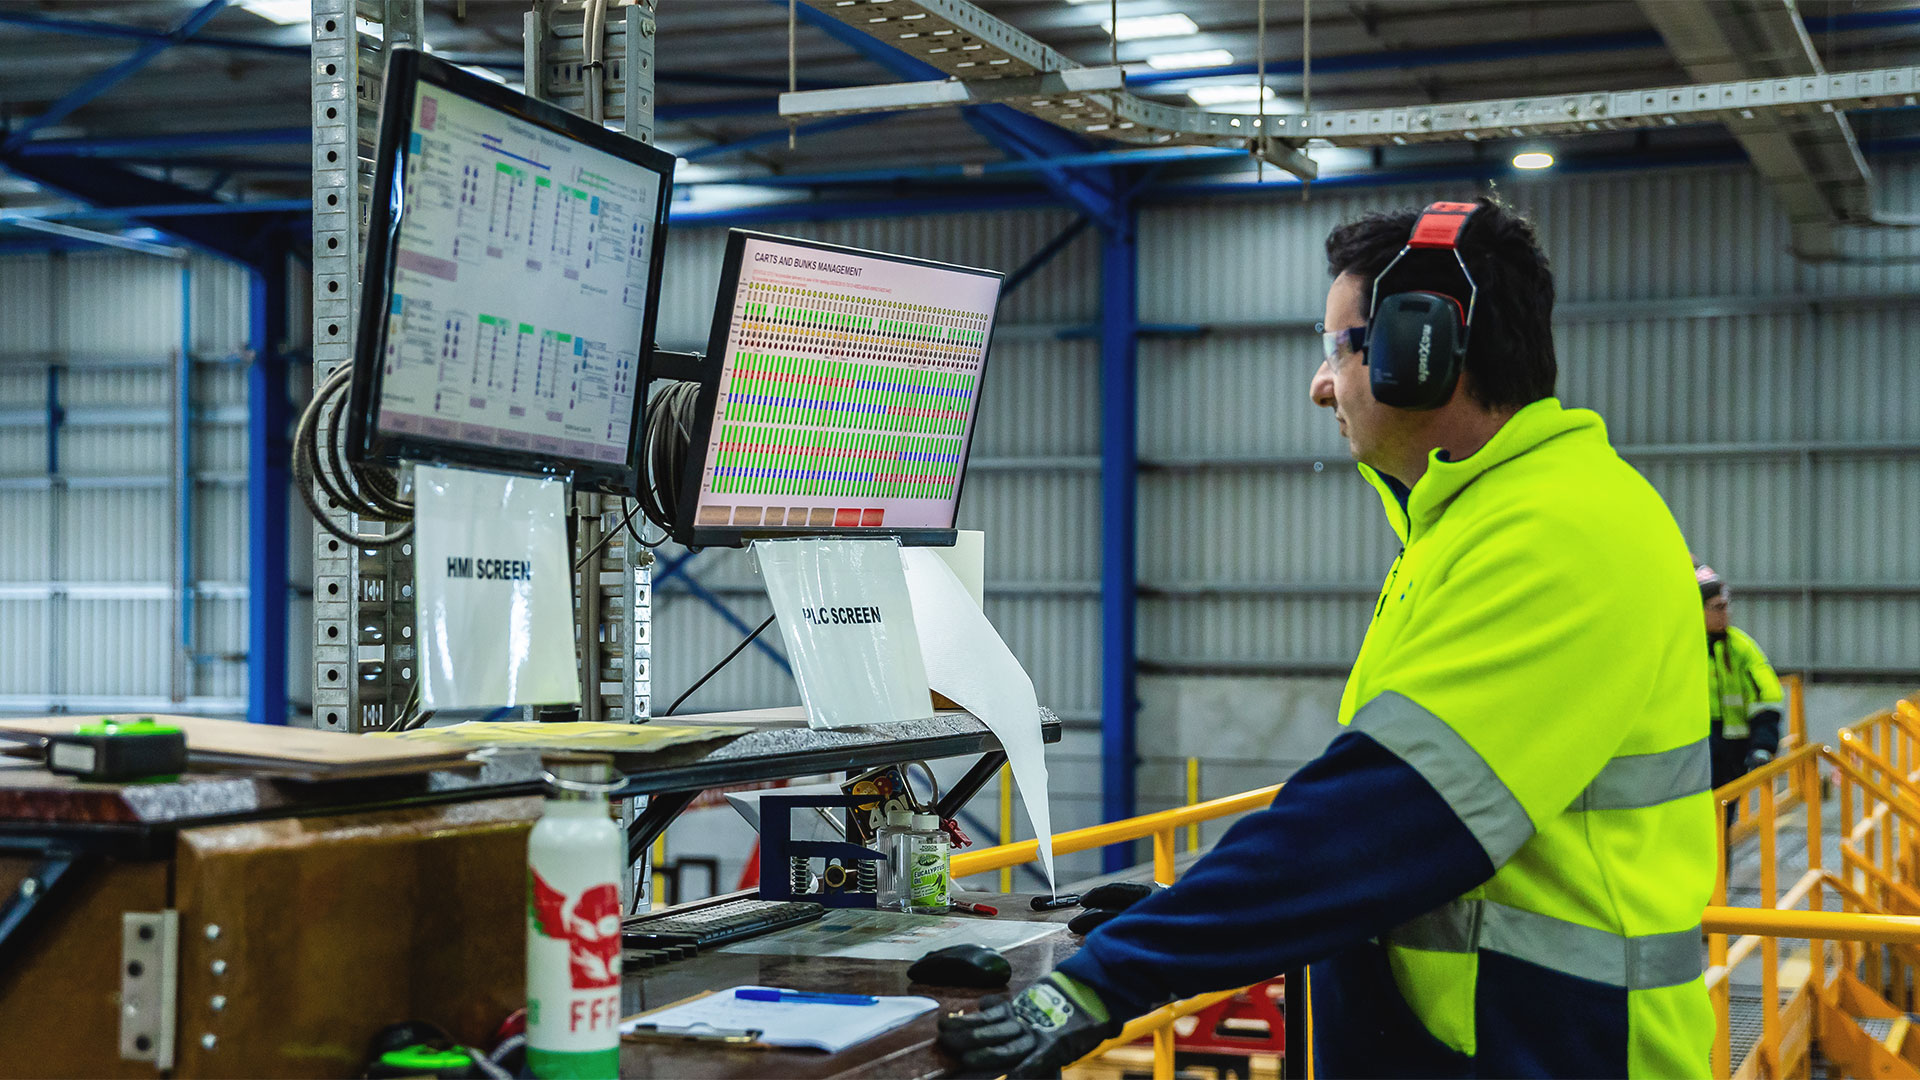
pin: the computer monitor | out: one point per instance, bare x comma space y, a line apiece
512, 280
847, 390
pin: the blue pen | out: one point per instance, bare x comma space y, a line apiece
802, 997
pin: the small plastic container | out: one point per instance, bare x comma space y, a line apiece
930, 891
896, 839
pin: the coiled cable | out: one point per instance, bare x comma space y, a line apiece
365, 491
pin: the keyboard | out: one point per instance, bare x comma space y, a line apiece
656, 939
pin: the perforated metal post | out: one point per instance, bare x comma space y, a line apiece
362, 600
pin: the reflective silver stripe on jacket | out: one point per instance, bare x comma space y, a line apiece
1456, 770
1636, 781
1636, 963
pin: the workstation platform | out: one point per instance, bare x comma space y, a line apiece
289, 921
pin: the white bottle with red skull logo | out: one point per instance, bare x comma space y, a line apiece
573, 927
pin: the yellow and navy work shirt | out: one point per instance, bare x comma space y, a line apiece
1743, 684
1499, 869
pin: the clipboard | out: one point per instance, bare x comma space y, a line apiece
725, 1018
743, 1039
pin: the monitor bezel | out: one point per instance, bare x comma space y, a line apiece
739, 535
407, 70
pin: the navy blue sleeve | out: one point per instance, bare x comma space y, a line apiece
1354, 845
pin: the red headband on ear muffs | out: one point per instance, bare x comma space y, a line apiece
1417, 340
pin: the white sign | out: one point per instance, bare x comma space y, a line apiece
495, 592
848, 623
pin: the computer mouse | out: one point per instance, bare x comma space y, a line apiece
962, 965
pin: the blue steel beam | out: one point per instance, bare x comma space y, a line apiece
204, 208
764, 138
268, 452
1044, 256
968, 172
183, 493
1119, 468
113, 76
243, 232
111, 31
121, 145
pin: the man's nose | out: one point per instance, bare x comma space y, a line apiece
1321, 388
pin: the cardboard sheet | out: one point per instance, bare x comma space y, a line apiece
270, 750
584, 735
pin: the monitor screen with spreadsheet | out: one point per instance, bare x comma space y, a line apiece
849, 382
512, 280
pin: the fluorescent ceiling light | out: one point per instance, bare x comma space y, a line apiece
1183, 61
282, 12
1245, 94
1138, 27
1533, 159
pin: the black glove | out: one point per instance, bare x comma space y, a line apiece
1757, 758
1105, 901
1052, 1024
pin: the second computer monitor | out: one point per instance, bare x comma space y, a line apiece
848, 387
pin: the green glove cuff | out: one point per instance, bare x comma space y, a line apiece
1083, 996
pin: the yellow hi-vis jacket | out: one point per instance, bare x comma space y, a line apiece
1743, 683
1535, 656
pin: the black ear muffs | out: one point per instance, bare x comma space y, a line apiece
1416, 348
1417, 339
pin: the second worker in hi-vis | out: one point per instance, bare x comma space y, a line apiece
1499, 868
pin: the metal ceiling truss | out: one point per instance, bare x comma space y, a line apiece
1627, 110
977, 49
1808, 157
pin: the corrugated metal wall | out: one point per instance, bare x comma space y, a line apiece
90, 613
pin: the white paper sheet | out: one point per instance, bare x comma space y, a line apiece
892, 935
495, 593
832, 1028
849, 628
967, 661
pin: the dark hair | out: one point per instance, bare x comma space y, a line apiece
1510, 355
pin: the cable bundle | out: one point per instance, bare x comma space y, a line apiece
667, 431
367, 491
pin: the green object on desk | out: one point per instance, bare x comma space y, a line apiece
426, 1059
119, 750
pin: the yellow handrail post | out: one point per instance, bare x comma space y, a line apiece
1770, 897
1163, 856
1163, 1053
1006, 823
1193, 797
659, 858
1717, 961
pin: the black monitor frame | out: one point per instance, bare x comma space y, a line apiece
693, 535
407, 71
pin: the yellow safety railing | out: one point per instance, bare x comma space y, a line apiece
1871, 897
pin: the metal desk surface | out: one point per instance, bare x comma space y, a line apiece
906, 1051
39, 810
781, 745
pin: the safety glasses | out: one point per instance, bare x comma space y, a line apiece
1352, 339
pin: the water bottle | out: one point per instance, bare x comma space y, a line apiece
574, 858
